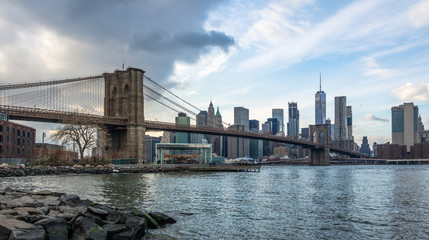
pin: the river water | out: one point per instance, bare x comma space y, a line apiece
280, 202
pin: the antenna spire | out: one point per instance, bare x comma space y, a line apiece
320, 79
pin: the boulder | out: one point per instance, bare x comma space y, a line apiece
44, 192
56, 228
85, 228
161, 218
150, 222
16, 229
98, 211
137, 224
114, 229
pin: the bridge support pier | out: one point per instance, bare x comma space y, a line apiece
124, 98
321, 133
320, 157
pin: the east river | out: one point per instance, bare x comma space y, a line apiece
280, 202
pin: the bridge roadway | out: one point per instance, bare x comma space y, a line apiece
44, 115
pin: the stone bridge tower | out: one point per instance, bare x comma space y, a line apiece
321, 134
124, 98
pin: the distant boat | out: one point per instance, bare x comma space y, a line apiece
115, 171
244, 159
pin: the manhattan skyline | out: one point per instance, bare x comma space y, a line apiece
256, 54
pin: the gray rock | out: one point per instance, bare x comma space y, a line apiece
161, 218
16, 229
56, 228
113, 229
128, 235
85, 228
73, 209
72, 200
137, 224
23, 201
98, 211
44, 192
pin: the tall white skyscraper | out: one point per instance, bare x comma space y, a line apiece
320, 106
340, 119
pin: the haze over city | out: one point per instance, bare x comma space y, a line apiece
256, 54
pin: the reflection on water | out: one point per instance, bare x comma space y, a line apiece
292, 202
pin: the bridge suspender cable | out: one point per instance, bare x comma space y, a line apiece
171, 93
36, 84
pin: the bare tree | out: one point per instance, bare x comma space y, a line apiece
79, 132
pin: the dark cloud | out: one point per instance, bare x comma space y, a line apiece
372, 117
150, 34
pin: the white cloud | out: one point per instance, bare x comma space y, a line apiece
413, 92
372, 68
419, 14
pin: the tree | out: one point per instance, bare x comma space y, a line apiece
79, 132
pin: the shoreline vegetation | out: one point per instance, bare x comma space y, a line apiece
53, 215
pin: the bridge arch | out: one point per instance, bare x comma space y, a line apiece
320, 134
125, 100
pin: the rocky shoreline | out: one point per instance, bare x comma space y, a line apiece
13, 171
52, 215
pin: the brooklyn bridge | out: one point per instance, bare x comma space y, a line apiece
126, 104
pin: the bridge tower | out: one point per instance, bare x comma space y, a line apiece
321, 134
124, 98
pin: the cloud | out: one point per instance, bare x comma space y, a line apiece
413, 92
372, 68
79, 38
372, 117
419, 14
283, 34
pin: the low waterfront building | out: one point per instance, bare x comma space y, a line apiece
47, 150
150, 147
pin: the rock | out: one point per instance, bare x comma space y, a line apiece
71, 199
56, 228
98, 211
150, 222
161, 218
128, 235
24, 201
44, 192
114, 229
137, 224
85, 228
73, 210
114, 216
16, 229
4, 165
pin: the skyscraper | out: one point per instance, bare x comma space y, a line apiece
279, 114
210, 115
405, 125
253, 124
241, 117
349, 122
340, 119
320, 106
182, 119
218, 119
274, 125
364, 148
239, 147
293, 124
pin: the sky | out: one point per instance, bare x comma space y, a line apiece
257, 54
